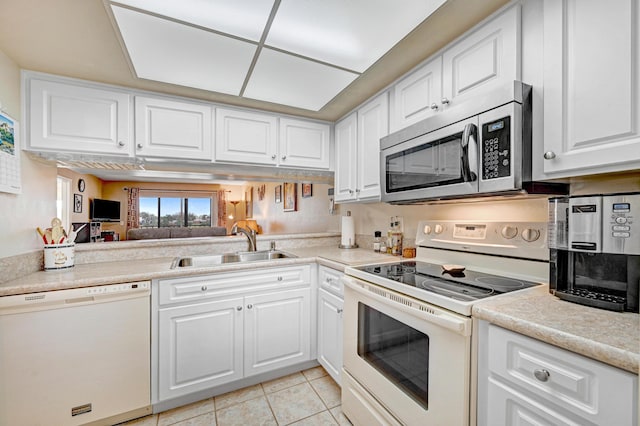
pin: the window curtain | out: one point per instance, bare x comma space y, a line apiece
222, 208
133, 208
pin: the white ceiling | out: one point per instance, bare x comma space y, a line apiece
299, 53
80, 39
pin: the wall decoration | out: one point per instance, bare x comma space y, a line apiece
248, 198
278, 192
77, 203
261, 190
81, 185
10, 177
290, 196
306, 190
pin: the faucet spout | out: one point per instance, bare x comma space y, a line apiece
249, 233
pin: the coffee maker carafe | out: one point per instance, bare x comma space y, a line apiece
594, 244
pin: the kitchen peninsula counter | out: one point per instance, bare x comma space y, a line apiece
610, 337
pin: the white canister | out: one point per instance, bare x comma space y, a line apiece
59, 256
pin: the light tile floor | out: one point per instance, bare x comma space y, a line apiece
308, 398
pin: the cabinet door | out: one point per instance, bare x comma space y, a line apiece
304, 144
200, 346
330, 333
345, 174
591, 88
246, 137
277, 330
64, 117
373, 124
485, 60
417, 96
173, 129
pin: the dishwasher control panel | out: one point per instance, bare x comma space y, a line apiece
118, 288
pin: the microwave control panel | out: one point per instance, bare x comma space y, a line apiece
496, 149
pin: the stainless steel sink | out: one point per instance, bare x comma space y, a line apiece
220, 259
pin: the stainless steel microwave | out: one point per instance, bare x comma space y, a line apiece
480, 147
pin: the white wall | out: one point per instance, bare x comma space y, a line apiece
22, 213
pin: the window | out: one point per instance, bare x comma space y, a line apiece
170, 211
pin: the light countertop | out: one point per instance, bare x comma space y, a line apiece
610, 337
613, 338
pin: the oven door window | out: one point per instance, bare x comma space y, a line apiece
396, 350
430, 164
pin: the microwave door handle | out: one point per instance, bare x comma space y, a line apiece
469, 160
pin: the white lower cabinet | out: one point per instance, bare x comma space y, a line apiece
215, 329
330, 305
523, 381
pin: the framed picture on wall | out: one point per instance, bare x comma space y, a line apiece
290, 196
306, 190
278, 193
77, 203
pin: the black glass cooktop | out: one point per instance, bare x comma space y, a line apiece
465, 285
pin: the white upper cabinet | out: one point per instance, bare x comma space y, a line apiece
346, 151
487, 59
304, 144
484, 59
168, 128
373, 124
357, 174
418, 95
246, 137
65, 117
591, 87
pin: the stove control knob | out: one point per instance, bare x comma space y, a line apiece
427, 229
438, 229
530, 235
509, 232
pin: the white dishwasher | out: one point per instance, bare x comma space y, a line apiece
76, 356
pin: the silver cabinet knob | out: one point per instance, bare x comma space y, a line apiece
541, 374
284, 157
273, 157
203, 288
239, 308
445, 101
340, 310
357, 191
434, 106
549, 155
279, 278
139, 146
249, 306
120, 143
351, 191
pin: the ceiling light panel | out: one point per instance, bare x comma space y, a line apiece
352, 34
241, 18
290, 80
170, 52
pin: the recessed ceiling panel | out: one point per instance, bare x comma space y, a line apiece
291, 80
352, 34
242, 18
166, 51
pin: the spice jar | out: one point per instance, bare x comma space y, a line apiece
377, 237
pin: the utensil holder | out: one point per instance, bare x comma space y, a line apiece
59, 256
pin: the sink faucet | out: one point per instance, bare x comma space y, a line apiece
249, 233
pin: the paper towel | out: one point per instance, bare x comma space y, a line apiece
348, 232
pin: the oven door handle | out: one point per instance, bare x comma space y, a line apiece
469, 157
429, 313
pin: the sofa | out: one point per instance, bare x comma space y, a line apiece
160, 233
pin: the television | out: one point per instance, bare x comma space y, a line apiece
104, 210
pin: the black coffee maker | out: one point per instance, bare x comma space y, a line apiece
594, 244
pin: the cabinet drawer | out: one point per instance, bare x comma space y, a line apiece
231, 283
588, 388
329, 279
